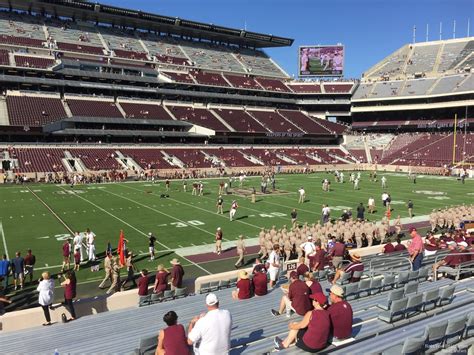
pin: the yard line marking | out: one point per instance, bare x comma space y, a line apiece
163, 213
136, 229
4, 240
199, 208
51, 210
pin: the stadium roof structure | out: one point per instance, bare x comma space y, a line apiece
117, 16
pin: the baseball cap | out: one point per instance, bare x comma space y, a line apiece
464, 244
211, 299
310, 236
218, 228
319, 297
337, 290
293, 275
451, 243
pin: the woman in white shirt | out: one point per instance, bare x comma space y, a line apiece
46, 295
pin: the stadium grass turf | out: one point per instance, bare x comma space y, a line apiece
183, 220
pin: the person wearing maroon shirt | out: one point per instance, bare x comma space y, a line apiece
260, 282
69, 284
244, 287
430, 243
314, 286
172, 340
311, 334
337, 253
66, 255
399, 246
302, 267
388, 248
355, 265
297, 299
451, 260
340, 314
319, 258
177, 273
143, 287
30, 261
161, 279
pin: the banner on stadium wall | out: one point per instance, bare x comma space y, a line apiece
321, 60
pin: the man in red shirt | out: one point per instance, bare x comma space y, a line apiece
451, 260
388, 248
297, 299
177, 273
302, 268
259, 280
340, 314
337, 253
143, 287
355, 265
415, 249
318, 261
30, 261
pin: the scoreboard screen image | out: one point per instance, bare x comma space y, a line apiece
321, 60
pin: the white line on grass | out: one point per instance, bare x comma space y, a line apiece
50, 210
136, 229
202, 209
117, 218
4, 240
158, 211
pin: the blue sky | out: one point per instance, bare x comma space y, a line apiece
369, 29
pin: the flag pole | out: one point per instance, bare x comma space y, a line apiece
454, 139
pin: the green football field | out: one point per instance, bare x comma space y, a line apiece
40, 217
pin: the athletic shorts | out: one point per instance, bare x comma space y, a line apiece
300, 343
151, 249
18, 275
273, 274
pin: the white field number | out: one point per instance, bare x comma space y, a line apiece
187, 224
272, 214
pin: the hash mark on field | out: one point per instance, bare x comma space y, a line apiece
180, 245
46, 265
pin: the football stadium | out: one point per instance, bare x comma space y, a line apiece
169, 179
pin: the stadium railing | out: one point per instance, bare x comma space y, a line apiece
466, 267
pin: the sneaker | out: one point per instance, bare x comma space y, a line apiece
278, 344
275, 313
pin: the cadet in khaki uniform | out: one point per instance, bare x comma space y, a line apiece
240, 251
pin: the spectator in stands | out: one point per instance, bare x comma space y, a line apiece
415, 249
30, 261
143, 286
318, 261
161, 279
451, 260
337, 253
17, 265
302, 267
311, 334
46, 295
210, 332
399, 246
69, 285
172, 340
340, 314
244, 287
274, 264
355, 265
259, 280
258, 266
177, 273
388, 248
314, 286
4, 271
297, 299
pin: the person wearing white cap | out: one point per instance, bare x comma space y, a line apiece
209, 333
451, 260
